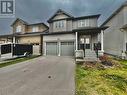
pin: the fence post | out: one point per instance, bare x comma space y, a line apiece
12, 49
0, 50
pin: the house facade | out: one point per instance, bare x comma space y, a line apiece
115, 37
25, 33
68, 34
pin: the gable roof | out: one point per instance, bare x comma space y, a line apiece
26, 23
115, 13
59, 11
18, 19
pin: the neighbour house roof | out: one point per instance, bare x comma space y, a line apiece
115, 13
26, 23
38, 24
7, 35
24, 34
19, 19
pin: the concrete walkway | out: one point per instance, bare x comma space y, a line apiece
41, 76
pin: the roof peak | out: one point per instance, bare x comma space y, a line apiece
59, 11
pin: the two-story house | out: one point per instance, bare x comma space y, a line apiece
25, 33
68, 34
115, 37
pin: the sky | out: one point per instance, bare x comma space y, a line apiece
34, 11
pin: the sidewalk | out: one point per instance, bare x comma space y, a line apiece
5, 57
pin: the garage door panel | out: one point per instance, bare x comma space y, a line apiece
51, 48
67, 48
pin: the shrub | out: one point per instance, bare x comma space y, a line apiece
109, 61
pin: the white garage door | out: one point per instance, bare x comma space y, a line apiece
51, 48
67, 48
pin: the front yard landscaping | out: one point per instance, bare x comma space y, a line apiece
106, 78
16, 60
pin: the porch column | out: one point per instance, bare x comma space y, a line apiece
44, 48
14, 39
76, 40
59, 51
102, 40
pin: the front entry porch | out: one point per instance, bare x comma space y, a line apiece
89, 45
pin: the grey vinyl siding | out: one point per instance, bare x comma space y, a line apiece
69, 25
92, 23
51, 27
114, 42
125, 15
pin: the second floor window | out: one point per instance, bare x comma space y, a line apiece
18, 28
59, 24
83, 23
35, 29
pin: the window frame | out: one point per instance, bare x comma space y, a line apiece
18, 28
35, 29
59, 24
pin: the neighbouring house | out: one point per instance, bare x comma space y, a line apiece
25, 33
115, 37
68, 34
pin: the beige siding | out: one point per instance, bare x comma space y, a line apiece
28, 28
40, 27
30, 40
23, 27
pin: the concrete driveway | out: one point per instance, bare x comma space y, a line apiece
41, 76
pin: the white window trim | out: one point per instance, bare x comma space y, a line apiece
59, 24
18, 28
84, 23
35, 29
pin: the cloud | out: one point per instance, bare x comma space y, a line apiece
41, 10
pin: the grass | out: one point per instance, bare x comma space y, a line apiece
110, 81
16, 60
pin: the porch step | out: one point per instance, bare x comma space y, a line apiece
87, 59
90, 59
90, 56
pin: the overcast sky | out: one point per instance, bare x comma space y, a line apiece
34, 11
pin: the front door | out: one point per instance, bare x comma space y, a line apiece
85, 43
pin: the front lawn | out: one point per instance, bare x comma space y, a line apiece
16, 60
98, 81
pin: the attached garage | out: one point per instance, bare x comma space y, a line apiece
59, 44
62, 49
51, 48
67, 48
